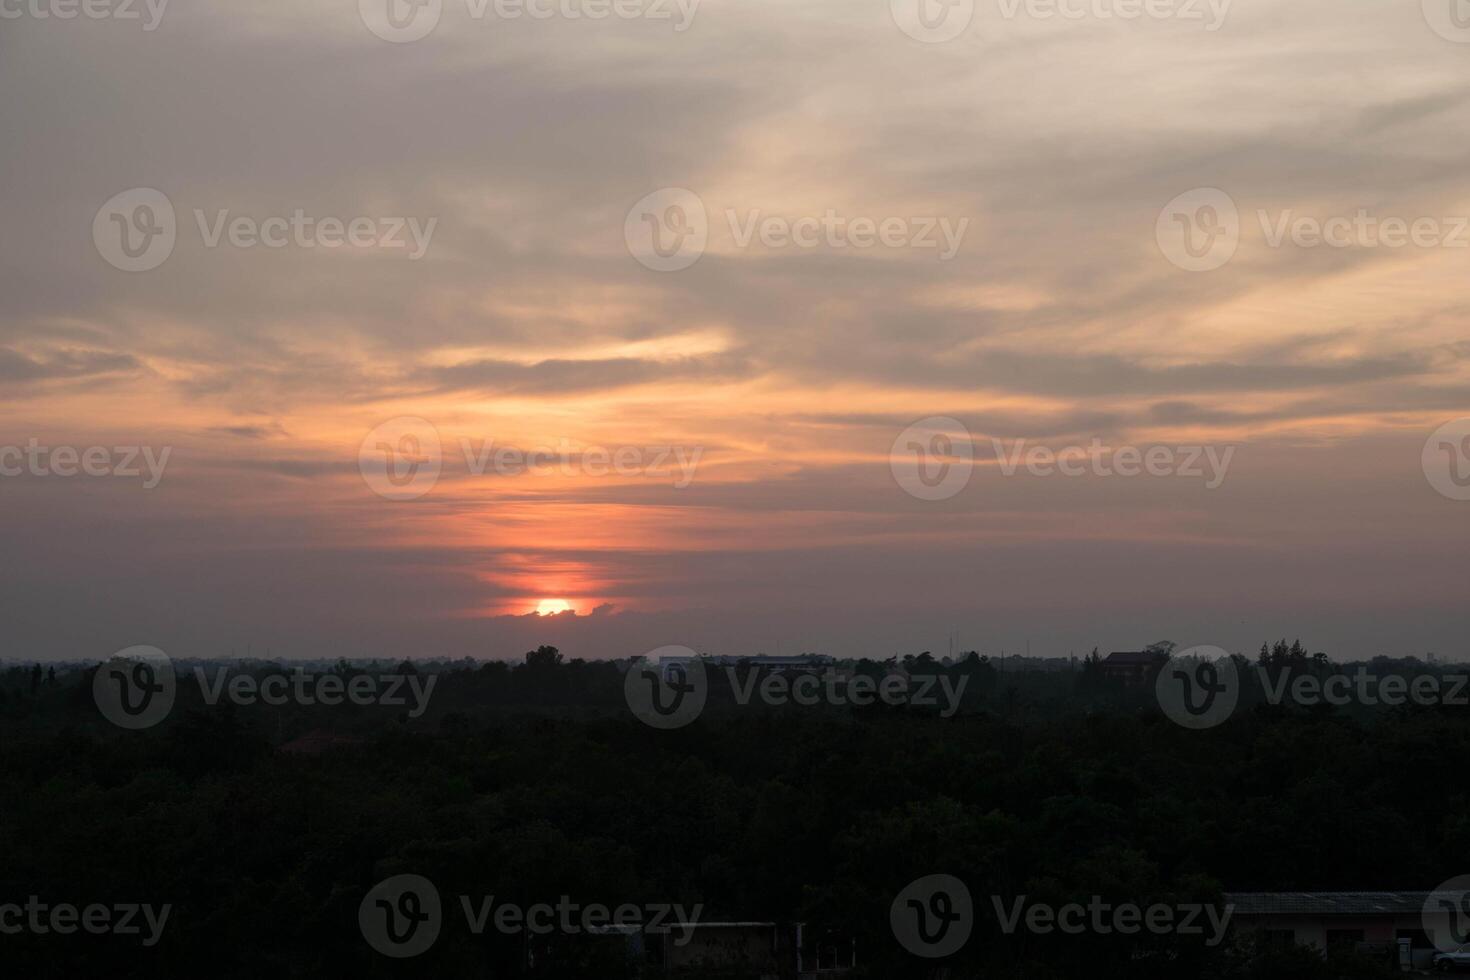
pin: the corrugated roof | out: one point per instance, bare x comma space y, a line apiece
1330, 903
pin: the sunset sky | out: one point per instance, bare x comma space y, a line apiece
528, 321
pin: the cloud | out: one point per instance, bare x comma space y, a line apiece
249, 431
528, 321
19, 368
579, 376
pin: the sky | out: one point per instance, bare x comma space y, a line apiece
790, 301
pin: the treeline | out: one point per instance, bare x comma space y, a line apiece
534, 782
467, 692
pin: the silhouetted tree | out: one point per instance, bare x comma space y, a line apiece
543, 658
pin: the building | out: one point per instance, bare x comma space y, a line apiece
1386, 923
754, 950
1133, 668
810, 663
765, 949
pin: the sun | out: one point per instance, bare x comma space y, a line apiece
550, 607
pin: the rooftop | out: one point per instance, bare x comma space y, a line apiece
1330, 903
1135, 658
